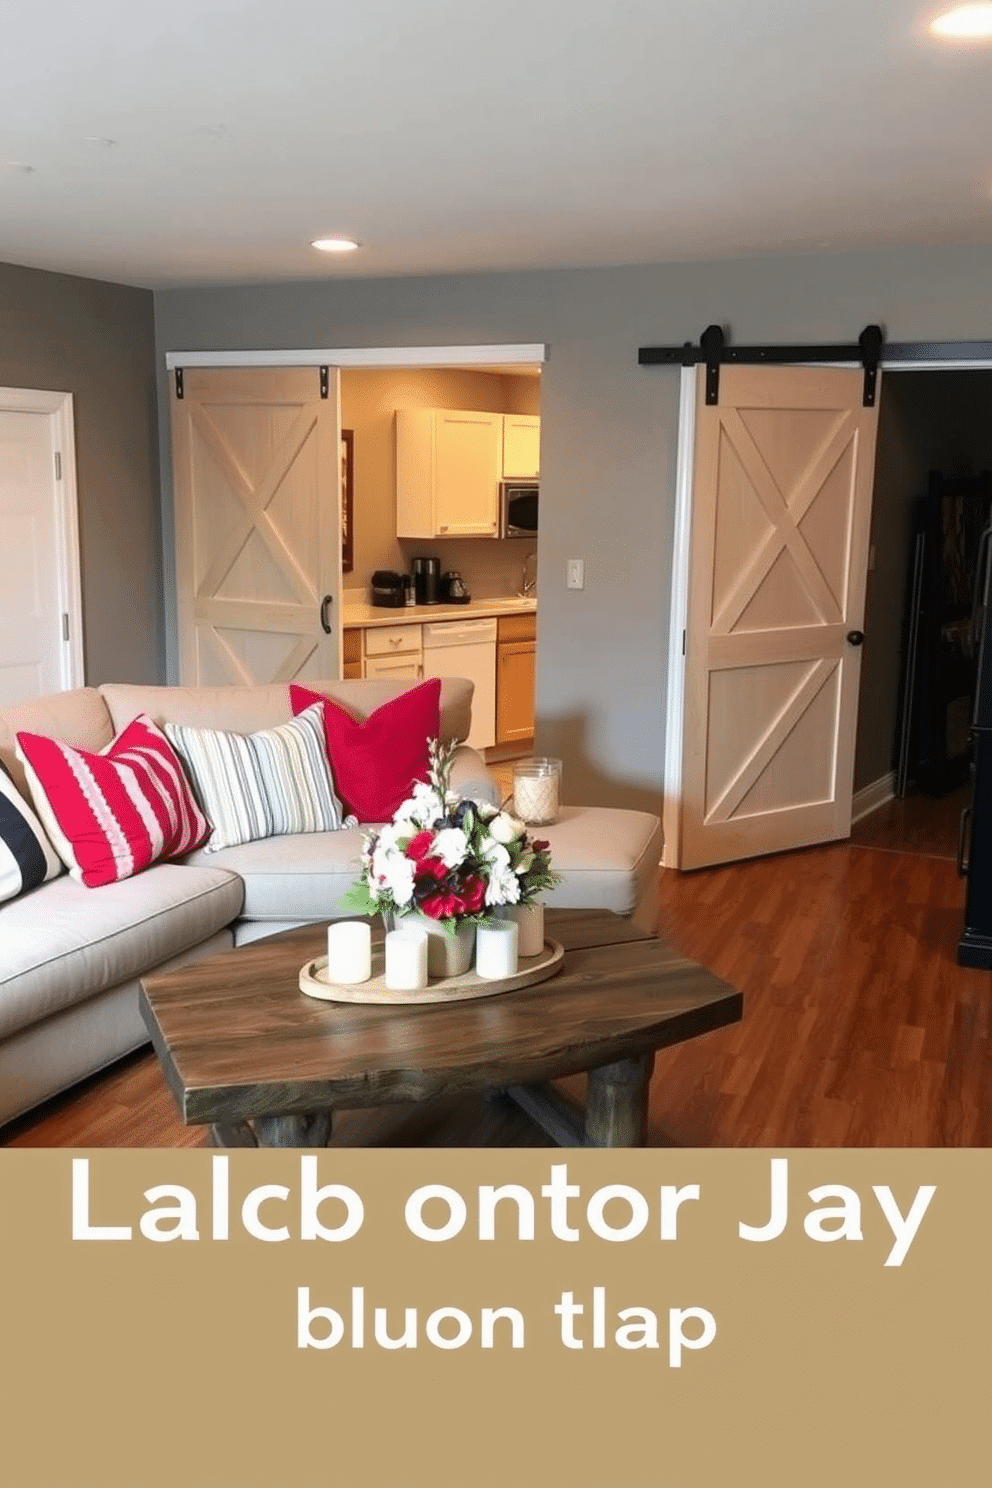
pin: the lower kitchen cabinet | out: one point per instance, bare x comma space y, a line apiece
351, 652
515, 651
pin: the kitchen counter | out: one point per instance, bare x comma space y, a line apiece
366, 616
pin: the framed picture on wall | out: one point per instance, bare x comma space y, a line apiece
347, 500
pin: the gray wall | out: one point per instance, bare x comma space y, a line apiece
96, 341
609, 433
927, 421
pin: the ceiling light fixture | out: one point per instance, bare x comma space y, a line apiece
964, 23
335, 245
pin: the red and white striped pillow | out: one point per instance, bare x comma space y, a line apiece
112, 814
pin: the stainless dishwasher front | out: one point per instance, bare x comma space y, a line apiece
467, 648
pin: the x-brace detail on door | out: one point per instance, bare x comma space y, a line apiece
714, 351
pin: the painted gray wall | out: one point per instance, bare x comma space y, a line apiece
97, 341
609, 433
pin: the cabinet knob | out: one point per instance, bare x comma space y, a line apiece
855, 637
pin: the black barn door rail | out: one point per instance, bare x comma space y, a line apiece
714, 351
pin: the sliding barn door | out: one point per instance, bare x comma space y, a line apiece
258, 525
783, 480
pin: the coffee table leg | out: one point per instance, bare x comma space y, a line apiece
311, 1129
617, 1103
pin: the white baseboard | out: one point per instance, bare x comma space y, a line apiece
870, 797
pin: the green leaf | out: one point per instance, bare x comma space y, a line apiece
358, 901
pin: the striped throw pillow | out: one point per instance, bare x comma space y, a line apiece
111, 815
26, 856
268, 784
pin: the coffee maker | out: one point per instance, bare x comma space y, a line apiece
427, 580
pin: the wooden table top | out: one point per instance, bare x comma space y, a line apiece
238, 1039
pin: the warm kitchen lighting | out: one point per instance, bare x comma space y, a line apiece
334, 245
964, 23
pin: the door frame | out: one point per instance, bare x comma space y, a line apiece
337, 359
686, 446
58, 408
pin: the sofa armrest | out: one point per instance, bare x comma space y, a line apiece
470, 776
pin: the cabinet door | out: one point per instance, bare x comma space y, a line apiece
467, 460
393, 666
514, 691
521, 446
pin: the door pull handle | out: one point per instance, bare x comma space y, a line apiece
325, 605
855, 637
964, 865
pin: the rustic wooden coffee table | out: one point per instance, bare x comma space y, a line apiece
264, 1065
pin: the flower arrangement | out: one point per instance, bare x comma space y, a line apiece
451, 858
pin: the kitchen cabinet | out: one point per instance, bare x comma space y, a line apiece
393, 651
351, 652
521, 446
515, 653
448, 468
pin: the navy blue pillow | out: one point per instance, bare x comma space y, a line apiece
26, 855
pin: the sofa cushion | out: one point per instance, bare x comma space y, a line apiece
80, 718
609, 857
27, 858
293, 878
113, 814
63, 943
243, 710
378, 760
268, 784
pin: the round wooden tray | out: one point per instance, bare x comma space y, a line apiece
313, 981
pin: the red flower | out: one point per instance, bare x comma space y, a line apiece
473, 895
420, 845
441, 906
540, 846
432, 868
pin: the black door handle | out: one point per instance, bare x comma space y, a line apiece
964, 866
325, 605
855, 637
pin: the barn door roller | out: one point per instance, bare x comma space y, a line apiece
714, 351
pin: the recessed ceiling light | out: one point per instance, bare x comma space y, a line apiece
335, 245
964, 23
99, 141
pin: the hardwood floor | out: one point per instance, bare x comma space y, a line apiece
859, 1027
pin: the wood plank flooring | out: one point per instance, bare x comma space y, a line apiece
859, 1028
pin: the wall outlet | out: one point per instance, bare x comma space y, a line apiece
575, 573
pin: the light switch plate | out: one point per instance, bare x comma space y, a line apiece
575, 573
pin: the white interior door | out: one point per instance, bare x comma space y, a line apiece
784, 470
256, 458
40, 628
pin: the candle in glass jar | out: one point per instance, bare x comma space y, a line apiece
349, 952
496, 950
406, 960
535, 790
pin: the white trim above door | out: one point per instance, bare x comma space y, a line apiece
57, 407
367, 356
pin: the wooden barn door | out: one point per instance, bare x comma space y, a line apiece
258, 525
784, 470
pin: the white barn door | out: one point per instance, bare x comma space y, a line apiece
784, 469
256, 461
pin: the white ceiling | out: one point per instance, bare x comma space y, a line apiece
449, 135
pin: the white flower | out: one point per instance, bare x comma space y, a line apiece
506, 828
503, 886
451, 846
423, 807
392, 871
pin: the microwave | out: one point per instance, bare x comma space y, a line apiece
518, 508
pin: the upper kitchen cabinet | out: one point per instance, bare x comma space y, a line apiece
448, 468
521, 446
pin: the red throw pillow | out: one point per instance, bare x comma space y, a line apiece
377, 762
110, 815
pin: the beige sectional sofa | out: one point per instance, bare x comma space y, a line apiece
71, 958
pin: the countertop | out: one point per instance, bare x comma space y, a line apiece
369, 615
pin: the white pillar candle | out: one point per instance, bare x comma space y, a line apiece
349, 952
530, 928
496, 950
406, 960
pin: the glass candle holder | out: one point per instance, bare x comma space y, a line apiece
536, 790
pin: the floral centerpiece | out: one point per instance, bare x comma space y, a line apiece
451, 859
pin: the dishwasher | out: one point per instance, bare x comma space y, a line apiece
467, 648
